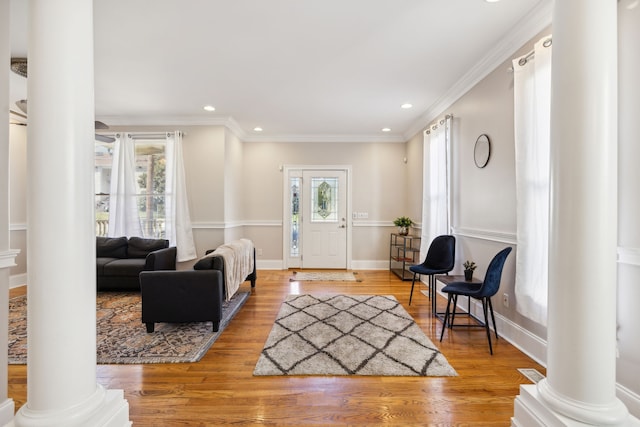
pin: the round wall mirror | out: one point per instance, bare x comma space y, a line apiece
482, 151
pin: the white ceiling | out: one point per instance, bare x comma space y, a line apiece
326, 70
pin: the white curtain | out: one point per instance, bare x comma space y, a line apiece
435, 183
123, 209
178, 221
532, 103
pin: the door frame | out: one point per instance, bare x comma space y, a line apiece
286, 211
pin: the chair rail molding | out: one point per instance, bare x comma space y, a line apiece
630, 256
234, 224
491, 235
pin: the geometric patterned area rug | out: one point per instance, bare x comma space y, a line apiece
122, 338
324, 276
348, 335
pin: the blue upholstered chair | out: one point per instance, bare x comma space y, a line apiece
440, 259
481, 291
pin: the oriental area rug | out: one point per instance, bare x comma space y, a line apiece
324, 276
348, 335
122, 338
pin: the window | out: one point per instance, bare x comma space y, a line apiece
294, 196
103, 164
149, 190
324, 199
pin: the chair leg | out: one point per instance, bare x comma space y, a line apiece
495, 328
453, 313
432, 283
413, 282
486, 323
446, 317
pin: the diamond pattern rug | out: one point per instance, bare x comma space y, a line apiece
348, 335
122, 338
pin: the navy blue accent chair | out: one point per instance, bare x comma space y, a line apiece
440, 259
481, 291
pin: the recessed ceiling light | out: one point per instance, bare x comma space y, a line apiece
406, 105
257, 129
386, 129
209, 108
492, 1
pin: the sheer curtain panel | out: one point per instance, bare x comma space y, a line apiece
435, 183
532, 103
123, 210
178, 221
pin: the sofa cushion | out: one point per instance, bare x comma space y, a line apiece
101, 262
140, 248
111, 247
123, 267
205, 263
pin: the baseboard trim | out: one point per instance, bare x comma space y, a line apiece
630, 399
269, 264
369, 265
7, 410
17, 280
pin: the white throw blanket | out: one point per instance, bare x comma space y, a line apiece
238, 263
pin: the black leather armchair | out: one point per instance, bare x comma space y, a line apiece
181, 296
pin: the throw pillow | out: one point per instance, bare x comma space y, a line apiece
205, 263
140, 248
111, 247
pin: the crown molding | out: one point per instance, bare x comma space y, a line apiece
165, 121
328, 138
231, 124
521, 33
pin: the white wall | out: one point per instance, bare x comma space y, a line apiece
628, 333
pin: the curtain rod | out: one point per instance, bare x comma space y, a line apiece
440, 122
523, 60
144, 135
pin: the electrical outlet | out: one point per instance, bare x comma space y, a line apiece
505, 300
259, 251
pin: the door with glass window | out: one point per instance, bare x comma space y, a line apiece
323, 234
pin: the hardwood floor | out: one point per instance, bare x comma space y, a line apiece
221, 390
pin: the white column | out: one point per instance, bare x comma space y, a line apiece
580, 388
7, 257
61, 365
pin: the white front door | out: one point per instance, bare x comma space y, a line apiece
324, 219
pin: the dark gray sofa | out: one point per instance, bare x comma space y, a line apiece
186, 295
119, 261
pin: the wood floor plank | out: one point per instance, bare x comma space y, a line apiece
221, 388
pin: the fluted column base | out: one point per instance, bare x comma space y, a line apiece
531, 409
105, 408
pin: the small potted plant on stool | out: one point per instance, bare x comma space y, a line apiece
403, 223
469, 266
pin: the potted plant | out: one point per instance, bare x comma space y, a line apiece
469, 266
403, 223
